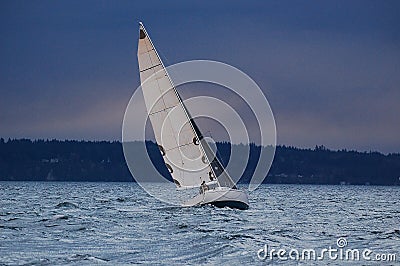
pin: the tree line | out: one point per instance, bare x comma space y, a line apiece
99, 161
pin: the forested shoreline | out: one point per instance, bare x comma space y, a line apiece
102, 161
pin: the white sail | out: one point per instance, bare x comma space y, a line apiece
174, 131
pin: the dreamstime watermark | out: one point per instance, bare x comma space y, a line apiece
338, 252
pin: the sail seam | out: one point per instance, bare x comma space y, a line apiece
150, 68
143, 52
179, 146
166, 108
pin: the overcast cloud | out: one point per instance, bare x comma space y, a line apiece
330, 70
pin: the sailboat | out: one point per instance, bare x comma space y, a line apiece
186, 153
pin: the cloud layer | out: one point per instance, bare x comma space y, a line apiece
329, 69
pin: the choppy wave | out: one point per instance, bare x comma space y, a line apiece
66, 204
117, 223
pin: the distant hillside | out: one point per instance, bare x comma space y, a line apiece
54, 160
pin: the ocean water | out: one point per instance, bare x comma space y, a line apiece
118, 223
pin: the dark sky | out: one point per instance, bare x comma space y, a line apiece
330, 69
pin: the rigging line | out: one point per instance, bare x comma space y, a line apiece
169, 63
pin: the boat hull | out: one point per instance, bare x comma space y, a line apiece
231, 204
221, 197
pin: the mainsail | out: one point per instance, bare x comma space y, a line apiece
186, 154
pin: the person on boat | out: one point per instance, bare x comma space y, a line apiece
203, 187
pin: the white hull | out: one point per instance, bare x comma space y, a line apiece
221, 197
